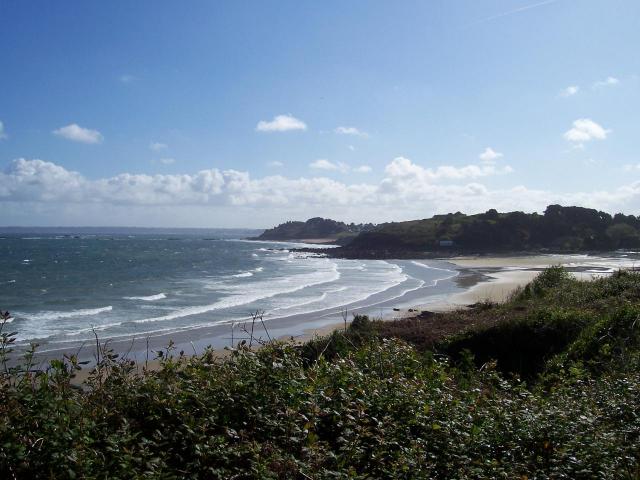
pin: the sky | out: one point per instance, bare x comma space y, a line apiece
249, 113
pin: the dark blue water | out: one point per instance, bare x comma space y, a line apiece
61, 284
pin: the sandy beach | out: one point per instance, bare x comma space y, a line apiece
501, 275
494, 279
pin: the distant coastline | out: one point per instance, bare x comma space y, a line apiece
559, 230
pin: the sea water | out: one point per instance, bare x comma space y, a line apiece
64, 285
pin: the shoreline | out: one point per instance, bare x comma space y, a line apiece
486, 279
480, 278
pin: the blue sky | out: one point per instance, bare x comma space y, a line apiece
248, 113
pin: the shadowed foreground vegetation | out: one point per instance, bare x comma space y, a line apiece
544, 386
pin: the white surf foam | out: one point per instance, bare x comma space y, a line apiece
150, 298
301, 304
377, 283
339, 289
55, 315
453, 273
248, 293
326, 271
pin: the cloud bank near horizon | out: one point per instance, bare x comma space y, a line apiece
406, 191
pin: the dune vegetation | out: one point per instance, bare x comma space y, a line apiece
546, 385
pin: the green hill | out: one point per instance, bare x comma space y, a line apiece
316, 228
558, 229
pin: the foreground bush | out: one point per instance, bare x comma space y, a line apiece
353, 405
381, 412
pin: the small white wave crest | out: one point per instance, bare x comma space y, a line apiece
243, 275
249, 293
150, 298
55, 315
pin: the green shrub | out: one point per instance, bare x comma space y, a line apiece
353, 404
521, 346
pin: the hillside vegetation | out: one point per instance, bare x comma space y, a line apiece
546, 385
558, 229
316, 228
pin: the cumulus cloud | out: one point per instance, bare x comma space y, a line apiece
570, 91
167, 161
402, 167
76, 133
3, 134
157, 146
38, 180
489, 155
607, 82
324, 164
281, 123
407, 190
275, 164
584, 130
351, 131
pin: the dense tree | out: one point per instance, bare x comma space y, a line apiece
559, 229
316, 227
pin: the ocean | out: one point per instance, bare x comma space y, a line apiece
63, 285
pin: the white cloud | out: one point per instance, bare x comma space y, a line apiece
324, 164
281, 123
3, 134
607, 82
76, 133
127, 78
157, 146
406, 191
584, 130
489, 155
351, 147
275, 164
351, 131
570, 91
404, 168
167, 161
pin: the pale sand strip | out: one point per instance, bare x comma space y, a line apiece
496, 287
